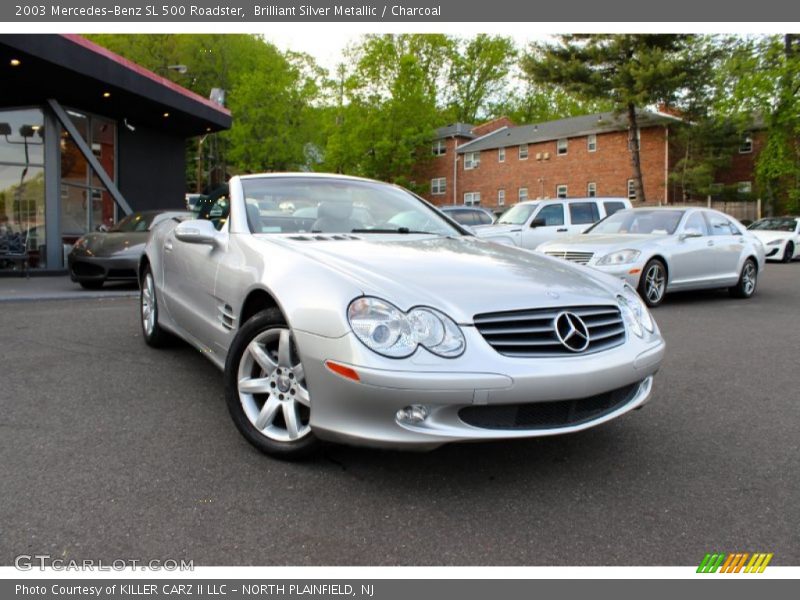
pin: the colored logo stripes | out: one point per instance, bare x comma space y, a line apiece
734, 562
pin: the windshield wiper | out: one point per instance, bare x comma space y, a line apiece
398, 230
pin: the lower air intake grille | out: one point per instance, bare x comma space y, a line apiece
547, 415
532, 333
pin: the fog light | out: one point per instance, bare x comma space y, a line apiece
412, 415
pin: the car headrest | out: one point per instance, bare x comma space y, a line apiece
335, 210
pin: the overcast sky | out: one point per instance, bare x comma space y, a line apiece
327, 49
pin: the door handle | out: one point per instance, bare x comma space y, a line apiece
168, 245
563, 230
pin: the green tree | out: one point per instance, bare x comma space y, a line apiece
630, 70
478, 73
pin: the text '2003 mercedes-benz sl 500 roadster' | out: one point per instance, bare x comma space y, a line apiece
349, 325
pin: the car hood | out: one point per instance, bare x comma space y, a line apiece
601, 243
461, 276
116, 243
768, 236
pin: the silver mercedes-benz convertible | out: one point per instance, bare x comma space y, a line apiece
329, 328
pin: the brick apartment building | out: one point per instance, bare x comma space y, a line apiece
497, 164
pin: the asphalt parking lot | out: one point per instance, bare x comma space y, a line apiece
112, 450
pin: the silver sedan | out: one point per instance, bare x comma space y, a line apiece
661, 250
328, 328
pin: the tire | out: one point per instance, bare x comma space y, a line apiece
748, 281
154, 335
265, 388
788, 253
91, 285
653, 283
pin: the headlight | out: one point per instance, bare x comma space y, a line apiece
635, 312
387, 330
620, 257
775, 242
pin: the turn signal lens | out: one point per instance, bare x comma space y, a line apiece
342, 370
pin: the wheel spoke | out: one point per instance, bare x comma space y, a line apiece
261, 357
301, 396
285, 349
292, 419
258, 385
268, 412
299, 372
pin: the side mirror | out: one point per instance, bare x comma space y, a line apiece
688, 235
538, 222
197, 231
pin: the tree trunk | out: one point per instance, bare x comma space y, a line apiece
633, 146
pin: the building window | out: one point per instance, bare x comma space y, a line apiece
561, 191
746, 147
438, 186
591, 189
501, 155
591, 143
523, 152
501, 197
472, 198
439, 148
472, 160
561, 147
522, 195
631, 189
744, 188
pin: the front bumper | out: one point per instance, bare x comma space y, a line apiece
365, 412
84, 267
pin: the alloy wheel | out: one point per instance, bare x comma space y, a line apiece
148, 302
272, 388
749, 278
655, 282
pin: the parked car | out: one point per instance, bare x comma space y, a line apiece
780, 235
113, 254
386, 337
470, 216
661, 250
528, 224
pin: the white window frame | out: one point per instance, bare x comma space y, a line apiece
631, 189
746, 147
562, 143
472, 160
501, 155
472, 198
522, 197
501, 197
523, 148
439, 148
438, 186
591, 142
591, 189
559, 188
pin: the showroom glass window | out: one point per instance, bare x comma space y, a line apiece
85, 202
22, 197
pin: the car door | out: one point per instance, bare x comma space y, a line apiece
189, 274
692, 259
547, 223
726, 244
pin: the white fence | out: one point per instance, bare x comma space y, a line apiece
749, 210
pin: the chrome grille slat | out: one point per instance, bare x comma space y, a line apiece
531, 333
576, 257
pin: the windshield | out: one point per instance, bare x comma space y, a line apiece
328, 205
517, 214
639, 221
134, 222
774, 224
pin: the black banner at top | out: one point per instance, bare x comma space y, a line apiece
264, 11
